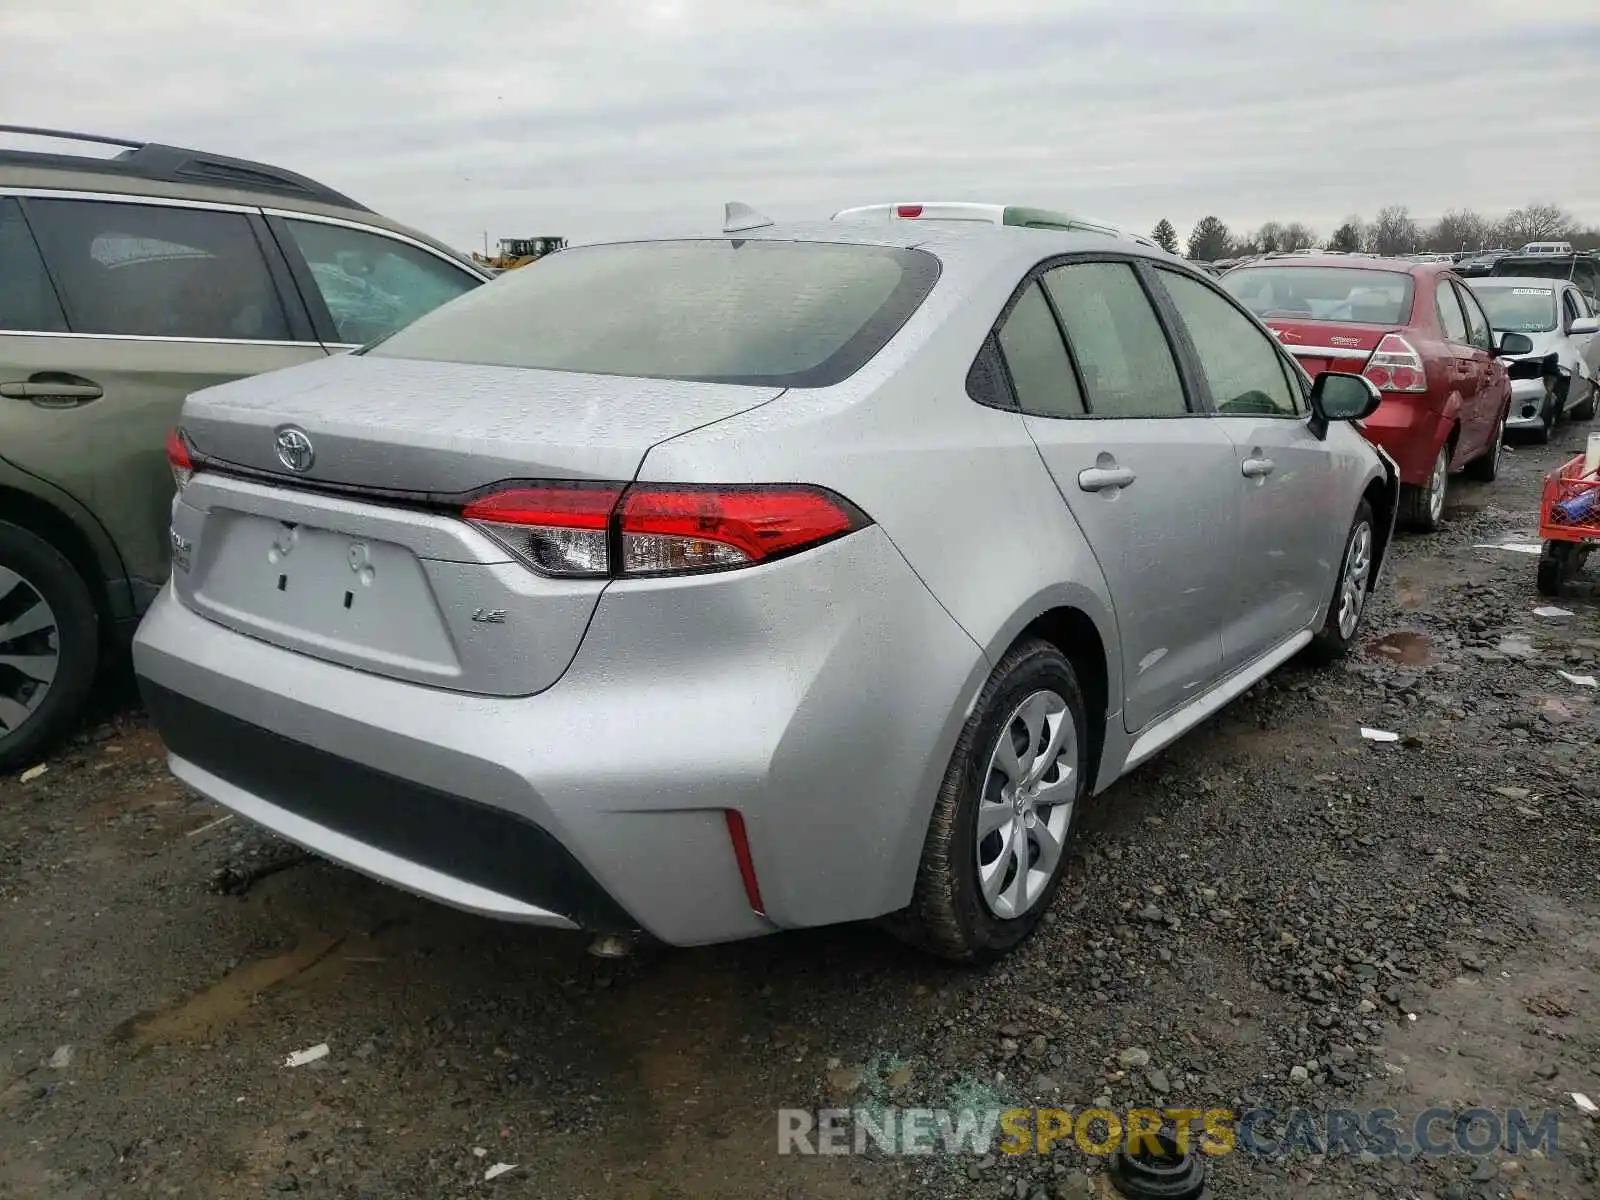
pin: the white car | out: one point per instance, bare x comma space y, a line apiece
1559, 319
990, 214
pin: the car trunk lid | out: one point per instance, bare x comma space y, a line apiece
432, 428
362, 558
1321, 346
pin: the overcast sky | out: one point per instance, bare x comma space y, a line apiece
595, 117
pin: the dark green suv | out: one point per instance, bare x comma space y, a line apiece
127, 282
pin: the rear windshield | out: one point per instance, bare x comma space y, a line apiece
1519, 309
791, 314
1324, 293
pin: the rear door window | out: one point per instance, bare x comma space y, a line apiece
1243, 369
1450, 316
1119, 346
27, 301
773, 313
372, 284
143, 270
1041, 373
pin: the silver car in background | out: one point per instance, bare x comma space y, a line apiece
1556, 316
715, 586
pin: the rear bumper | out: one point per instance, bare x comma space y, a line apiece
1411, 432
819, 696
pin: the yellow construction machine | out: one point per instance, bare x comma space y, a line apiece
519, 252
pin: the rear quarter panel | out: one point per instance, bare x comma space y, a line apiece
958, 488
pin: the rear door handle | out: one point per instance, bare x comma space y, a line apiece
1105, 479
1257, 468
54, 391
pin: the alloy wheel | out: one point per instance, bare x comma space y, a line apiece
30, 651
1357, 576
1025, 808
1438, 481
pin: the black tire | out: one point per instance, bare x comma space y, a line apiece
1585, 411
74, 638
1332, 641
1486, 466
1558, 564
1417, 509
948, 915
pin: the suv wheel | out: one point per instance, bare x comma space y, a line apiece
49, 645
1350, 593
1422, 508
997, 845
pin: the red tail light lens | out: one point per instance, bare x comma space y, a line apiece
667, 529
908, 211
606, 530
178, 459
1395, 366
559, 530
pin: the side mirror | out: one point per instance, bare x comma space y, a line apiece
1337, 396
1584, 326
1513, 344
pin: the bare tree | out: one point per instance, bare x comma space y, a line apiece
1459, 229
1209, 240
1536, 223
1393, 231
1165, 236
1349, 237
1269, 237
1298, 236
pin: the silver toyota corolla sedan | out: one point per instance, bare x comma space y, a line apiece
715, 586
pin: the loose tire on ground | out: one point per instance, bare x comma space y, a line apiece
30, 566
949, 915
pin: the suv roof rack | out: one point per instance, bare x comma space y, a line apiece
171, 164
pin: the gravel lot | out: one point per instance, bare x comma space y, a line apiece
1262, 910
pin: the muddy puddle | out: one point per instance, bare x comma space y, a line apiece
1405, 649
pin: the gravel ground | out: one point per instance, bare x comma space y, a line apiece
1273, 913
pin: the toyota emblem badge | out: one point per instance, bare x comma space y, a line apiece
294, 448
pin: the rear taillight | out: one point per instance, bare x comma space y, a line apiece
908, 212
608, 530
178, 459
1395, 366
562, 529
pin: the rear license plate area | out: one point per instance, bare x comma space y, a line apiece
302, 585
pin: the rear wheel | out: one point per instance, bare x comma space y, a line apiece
997, 844
49, 645
1349, 604
1422, 508
1560, 564
1487, 465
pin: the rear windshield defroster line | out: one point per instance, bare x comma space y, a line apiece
770, 313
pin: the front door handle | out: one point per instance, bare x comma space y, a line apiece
50, 389
1257, 468
1105, 479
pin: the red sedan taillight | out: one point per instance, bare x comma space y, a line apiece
178, 459
1395, 366
610, 530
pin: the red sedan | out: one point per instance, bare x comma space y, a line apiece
1416, 331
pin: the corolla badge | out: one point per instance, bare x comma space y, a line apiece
294, 448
